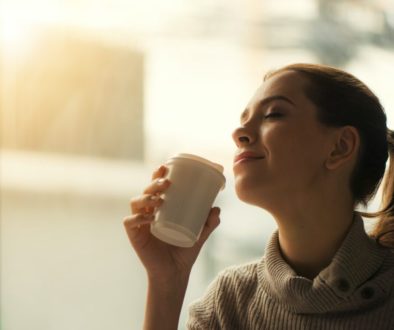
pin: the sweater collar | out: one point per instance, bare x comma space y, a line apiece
341, 286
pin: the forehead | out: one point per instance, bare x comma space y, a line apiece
288, 83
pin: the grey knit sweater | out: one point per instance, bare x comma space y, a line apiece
354, 292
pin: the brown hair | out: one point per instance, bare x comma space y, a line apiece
342, 99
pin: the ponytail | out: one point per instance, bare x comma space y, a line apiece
383, 231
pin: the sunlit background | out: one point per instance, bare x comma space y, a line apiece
96, 94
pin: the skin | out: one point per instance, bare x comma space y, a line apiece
302, 182
167, 267
303, 179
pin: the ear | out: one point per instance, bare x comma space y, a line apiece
345, 148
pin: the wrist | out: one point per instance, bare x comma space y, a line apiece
169, 281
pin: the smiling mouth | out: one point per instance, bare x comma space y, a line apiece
246, 160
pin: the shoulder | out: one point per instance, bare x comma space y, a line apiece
234, 282
221, 300
239, 275
243, 269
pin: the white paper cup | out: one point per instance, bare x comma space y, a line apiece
195, 183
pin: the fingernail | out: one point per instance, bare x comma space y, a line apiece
154, 197
161, 181
158, 168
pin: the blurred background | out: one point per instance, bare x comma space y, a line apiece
96, 94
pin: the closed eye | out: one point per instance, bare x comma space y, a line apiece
274, 114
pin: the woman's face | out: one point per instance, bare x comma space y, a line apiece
280, 124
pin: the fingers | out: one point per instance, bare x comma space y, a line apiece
211, 224
142, 207
133, 223
159, 172
145, 203
157, 186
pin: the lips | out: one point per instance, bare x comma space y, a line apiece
247, 155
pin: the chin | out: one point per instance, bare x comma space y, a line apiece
247, 192
251, 192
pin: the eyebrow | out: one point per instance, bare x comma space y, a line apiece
265, 102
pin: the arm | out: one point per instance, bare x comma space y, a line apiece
168, 267
164, 303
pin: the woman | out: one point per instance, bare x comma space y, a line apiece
320, 142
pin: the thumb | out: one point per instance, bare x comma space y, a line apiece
212, 222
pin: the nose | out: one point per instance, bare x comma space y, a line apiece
242, 136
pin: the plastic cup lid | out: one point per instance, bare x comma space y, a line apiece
200, 159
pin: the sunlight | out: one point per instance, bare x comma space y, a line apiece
16, 38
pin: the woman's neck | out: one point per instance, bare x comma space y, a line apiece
308, 244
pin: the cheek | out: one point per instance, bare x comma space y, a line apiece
281, 142
292, 150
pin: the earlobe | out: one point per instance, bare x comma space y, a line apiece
345, 147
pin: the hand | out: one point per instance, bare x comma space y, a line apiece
161, 260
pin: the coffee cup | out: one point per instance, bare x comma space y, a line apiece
195, 183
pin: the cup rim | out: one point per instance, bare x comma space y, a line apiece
219, 169
216, 166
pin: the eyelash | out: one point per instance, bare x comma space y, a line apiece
274, 114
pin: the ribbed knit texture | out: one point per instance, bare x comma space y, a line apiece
355, 292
